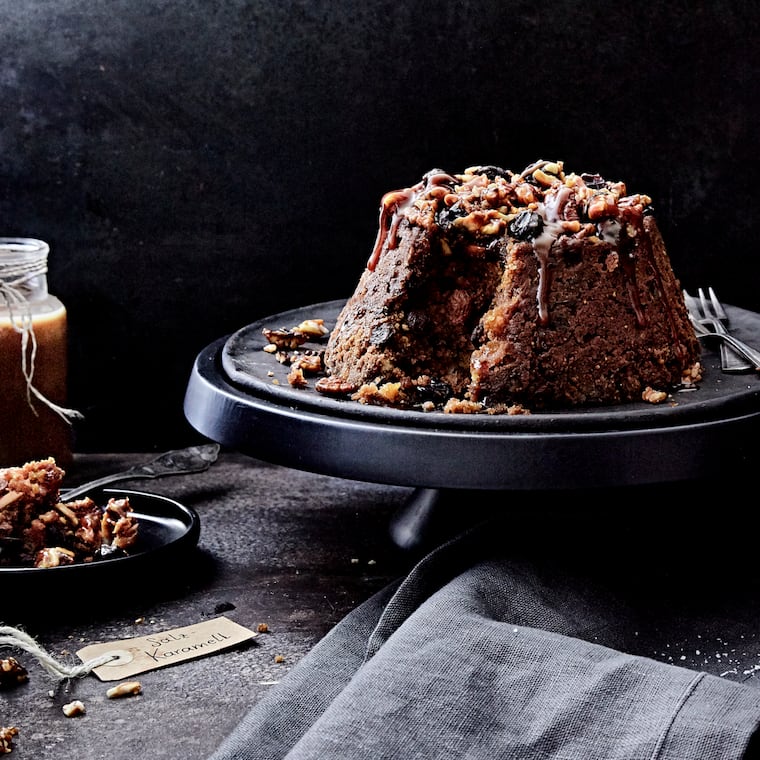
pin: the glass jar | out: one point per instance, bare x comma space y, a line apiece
34, 424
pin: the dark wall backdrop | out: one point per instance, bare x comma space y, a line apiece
197, 165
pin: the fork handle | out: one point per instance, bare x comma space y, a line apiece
731, 360
749, 353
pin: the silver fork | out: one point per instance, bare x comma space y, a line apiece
707, 323
713, 310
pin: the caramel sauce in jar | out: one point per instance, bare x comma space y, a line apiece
30, 428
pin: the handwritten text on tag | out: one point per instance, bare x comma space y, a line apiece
143, 653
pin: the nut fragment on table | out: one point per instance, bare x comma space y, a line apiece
125, 689
12, 672
72, 709
7, 733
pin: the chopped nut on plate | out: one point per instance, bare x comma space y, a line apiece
46, 531
653, 396
285, 338
312, 327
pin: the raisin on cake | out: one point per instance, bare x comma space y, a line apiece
506, 292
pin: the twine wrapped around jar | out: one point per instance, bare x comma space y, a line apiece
35, 423
15, 280
13, 286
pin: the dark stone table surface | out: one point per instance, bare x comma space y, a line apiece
297, 551
292, 550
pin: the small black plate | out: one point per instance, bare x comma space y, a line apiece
166, 530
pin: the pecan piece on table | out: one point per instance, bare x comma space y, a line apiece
7, 733
12, 672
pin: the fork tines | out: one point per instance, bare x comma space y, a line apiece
714, 303
708, 311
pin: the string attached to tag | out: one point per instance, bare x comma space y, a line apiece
15, 637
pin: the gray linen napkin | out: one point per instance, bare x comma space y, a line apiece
475, 654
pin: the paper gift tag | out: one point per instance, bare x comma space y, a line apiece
157, 650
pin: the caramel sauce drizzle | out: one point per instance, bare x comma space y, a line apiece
392, 208
611, 229
557, 209
634, 216
552, 212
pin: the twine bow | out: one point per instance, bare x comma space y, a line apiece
13, 287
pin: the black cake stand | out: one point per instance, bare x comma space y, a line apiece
238, 395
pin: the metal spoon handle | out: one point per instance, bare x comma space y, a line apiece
178, 462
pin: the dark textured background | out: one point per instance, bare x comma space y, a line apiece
197, 165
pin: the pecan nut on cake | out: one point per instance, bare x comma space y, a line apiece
39, 529
505, 292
